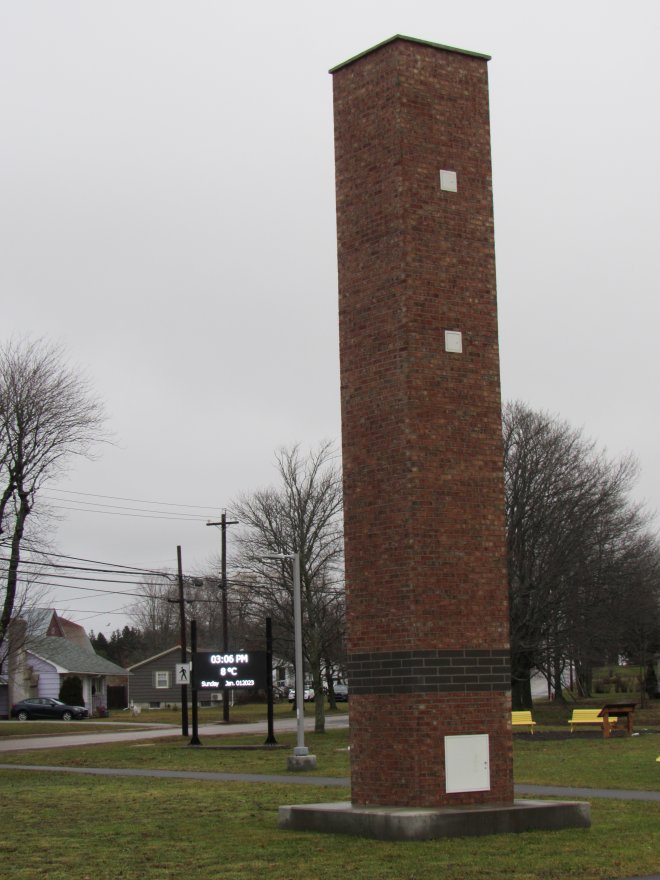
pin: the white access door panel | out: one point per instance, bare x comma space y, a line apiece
467, 763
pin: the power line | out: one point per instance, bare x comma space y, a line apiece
32, 562
136, 500
128, 570
169, 577
101, 592
75, 577
113, 568
89, 611
123, 507
26, 568
92, 561
98, 591
181, 518
92, 614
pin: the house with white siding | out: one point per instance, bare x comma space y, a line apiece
43, 661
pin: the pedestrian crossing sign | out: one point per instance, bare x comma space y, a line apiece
183, 673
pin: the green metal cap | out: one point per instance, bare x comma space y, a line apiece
409, 40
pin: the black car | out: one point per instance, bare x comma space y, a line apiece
45, 707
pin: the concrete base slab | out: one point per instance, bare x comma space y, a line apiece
301, 762
417, 823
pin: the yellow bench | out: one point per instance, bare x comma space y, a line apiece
588, 716
523, 719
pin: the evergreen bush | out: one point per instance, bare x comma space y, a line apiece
71, 691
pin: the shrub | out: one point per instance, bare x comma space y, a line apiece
71, 691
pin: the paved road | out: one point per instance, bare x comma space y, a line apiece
156, 731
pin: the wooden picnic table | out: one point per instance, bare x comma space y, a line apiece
617, 710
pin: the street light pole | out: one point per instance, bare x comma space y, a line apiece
301, 760
301, 748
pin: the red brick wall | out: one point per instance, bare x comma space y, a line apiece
397, 747
423, 478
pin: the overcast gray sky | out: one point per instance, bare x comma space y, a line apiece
167, 213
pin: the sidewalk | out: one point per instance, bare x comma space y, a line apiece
341, 781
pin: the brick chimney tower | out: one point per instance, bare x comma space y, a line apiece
427, 592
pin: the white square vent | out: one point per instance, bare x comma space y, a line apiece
467, 763
448, 181
454, 341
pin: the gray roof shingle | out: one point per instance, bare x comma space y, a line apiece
71, 657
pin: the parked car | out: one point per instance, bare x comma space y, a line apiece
341, 693
45, 707
308, 695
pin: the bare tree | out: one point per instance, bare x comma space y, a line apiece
573, 535
638, 611
156, 614
30, 605
48, 415
303, 514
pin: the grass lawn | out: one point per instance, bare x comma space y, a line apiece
143, 829
626, 762
584, 758
57, 826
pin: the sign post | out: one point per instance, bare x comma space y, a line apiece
195, 741
270, 739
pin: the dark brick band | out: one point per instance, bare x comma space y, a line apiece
429, 672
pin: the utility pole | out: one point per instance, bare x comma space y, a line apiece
181, 602
223, 587
184, 648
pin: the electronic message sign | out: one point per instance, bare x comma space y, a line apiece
214, 671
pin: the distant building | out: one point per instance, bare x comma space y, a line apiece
152, 683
